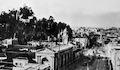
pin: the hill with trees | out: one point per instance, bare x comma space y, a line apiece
24, 25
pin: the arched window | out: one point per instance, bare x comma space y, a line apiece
16, 64
44, 59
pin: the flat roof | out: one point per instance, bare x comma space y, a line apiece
24, 46
23, 58
31, 66
56, 48
62, 47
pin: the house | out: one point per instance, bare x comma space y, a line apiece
83, 42
20, 61
7, 42
3, 56
22, 64
10, 41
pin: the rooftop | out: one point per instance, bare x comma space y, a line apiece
2, 55
30, 66
23, 58
24, 46
57, 48
62, 47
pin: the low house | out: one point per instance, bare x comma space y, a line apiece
20, 61
22, 64
10, 41
7, 42
3, 56
83, 42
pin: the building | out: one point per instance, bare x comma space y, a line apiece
22, 64
3, 56
57, 58
10, 41
7, 42
83, 42
113, 53
33, 43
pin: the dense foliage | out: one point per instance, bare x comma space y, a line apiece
24, 25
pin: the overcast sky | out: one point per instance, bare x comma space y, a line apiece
90, 13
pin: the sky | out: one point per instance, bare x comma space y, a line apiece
76, 13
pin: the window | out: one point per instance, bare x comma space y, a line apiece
16, 64
21, 64
61, 61
44, 59
68, 58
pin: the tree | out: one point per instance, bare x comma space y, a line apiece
69, 32
24, 25
8, 21
25, 12
14, 21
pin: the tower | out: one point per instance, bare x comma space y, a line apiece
65, 36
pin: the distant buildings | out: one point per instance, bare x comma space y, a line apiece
109, 44
83, 42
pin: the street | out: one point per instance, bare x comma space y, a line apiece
95, 64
